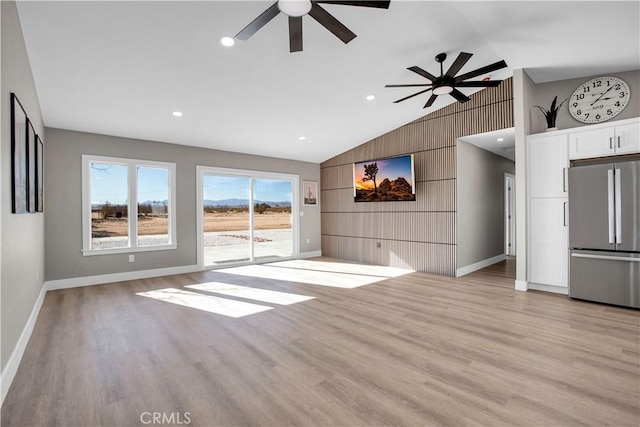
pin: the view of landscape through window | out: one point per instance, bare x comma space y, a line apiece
110, 205
227, 225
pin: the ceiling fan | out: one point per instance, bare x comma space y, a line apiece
448, 83
296, 9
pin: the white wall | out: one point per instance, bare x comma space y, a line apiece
22, 236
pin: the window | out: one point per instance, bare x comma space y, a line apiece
128, 205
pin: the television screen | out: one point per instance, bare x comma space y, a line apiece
384, 180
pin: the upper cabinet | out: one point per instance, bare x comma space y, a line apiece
608, 139
548, 163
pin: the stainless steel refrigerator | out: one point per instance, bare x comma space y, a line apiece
604, 232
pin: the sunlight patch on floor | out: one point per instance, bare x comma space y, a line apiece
321, 273
209, 303
263, 295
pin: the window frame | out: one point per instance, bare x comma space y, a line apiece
132, 206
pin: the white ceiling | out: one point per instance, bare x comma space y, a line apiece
121, 68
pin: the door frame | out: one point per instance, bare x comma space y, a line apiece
509, 211
252, 175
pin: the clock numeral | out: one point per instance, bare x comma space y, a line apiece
617, 86
608, 82
621, 94
598, 116
617, 104
586, 89
586, 115
580, 96
575, 104
579, 112
597, 84
609, 112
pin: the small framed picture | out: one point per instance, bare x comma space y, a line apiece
39, 174
31, 168
310, 192
19, 159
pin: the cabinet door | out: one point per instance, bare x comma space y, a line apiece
628, 139
591, 143
548, 162
549, 250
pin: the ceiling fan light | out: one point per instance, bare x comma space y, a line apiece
294, 8
442, 90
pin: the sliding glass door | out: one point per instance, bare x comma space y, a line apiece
245, 216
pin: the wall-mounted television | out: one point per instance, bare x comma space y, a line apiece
390, 179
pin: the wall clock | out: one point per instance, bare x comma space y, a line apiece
599, 99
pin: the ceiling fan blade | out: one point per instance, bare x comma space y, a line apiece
372, 3
458, 63
412, 85
429, 103
328, 21
480, 71
485, 83
461, 97
295, 34
258, 23
423, 73
411, 96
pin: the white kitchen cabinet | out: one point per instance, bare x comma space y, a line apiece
609, 139
548, 163
548, 242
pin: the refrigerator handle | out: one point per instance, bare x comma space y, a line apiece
564, 214
619, 141
610, 143
564, 180
610, 205
618, 198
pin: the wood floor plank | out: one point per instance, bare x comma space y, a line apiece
371, 348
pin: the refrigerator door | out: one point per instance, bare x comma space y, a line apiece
608, 277
592, 207
627, 200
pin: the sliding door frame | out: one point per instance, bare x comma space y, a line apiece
252, 175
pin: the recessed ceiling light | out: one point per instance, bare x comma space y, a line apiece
227, 41
302, 138
500, 139
370, 97
177, 113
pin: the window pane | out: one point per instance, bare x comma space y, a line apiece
109, 212
272, 222
153, 206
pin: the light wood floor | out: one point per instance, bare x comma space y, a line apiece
411, 350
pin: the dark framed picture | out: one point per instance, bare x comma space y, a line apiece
310, 192
390, 179
19, 159
39, 175
31, 167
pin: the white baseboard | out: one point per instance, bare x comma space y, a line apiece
75, 282
10, 369
479, 265
312, 254
521, 285
563, 290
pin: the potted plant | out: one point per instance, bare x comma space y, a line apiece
551, 114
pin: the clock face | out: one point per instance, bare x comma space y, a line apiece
599, 100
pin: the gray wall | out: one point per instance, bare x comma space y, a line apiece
64, 200
543, 94
22, 236
480, 185
420, 235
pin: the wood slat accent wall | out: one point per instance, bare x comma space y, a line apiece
420, 235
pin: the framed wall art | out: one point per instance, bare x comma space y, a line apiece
39, 175
19, 159
31, 168
310, 192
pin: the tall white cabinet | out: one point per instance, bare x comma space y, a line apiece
548, 162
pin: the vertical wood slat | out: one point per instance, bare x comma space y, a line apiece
420, 235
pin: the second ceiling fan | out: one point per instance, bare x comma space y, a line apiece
448, 83
296, 9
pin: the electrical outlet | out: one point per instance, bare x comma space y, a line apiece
132, 257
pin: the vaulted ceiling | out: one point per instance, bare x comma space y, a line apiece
122, 68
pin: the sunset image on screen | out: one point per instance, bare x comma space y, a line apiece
384, 180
